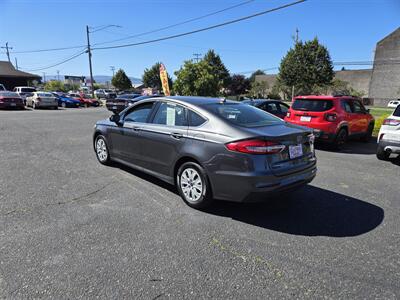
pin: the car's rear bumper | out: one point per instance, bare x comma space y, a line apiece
391, 146
325, 132
256, 187
9, 105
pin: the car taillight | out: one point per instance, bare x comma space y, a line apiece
391, 122
330, 117
255, 146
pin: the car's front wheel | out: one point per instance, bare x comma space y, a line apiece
193, 186
101, 148
340, 139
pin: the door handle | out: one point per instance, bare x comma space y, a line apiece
136, 129
176, 135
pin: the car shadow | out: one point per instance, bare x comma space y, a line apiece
310, 211
395, 160
352, 147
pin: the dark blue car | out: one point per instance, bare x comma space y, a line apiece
65, 101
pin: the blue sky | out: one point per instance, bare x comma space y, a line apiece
349, 28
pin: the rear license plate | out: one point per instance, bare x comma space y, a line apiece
305, 119
295, 151
13, 104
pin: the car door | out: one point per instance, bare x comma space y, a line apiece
349, 115
126, 139
164, 137
361, 117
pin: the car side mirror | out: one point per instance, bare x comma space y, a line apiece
116, 119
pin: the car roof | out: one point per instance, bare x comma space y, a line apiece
324, 97
196, 100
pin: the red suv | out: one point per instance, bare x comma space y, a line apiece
333, 118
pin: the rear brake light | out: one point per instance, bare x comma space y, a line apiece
330, 117
391, 122
255, 147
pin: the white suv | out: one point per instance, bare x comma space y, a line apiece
389, 136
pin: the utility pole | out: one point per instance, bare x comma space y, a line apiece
16, 63
58, 75
7, 51
197, 56
90, 60
44, 77
112, 69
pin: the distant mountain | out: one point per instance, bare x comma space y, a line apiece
97, 78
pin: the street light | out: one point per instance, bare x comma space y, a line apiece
88, 31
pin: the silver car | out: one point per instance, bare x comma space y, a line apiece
209, 148
42, 100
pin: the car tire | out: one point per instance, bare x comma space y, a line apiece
55, 107
63, 105
101, 149
381, 154
193, 185
340, 139
367, 137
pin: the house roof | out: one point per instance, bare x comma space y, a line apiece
8, 70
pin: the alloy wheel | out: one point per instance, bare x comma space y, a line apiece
101, 150
191, 184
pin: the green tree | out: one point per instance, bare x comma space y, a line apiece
121, 81
259, 89
151, 77
306, 66
238, 84
197, 79
218, 67
252, 77
55, 85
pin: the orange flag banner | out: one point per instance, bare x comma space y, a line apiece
164, 80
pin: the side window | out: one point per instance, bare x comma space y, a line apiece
171, 114
195, 119
347, 106
272, 108
284, 108
139, 113
358, 109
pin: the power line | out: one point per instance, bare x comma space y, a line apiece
177, 24
139, 34
59, 63
203, 29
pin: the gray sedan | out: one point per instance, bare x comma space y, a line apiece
209, 148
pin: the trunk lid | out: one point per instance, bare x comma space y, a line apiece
298, 153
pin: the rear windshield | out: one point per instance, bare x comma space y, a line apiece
242, 114
28, 90
312, 105
45, 95
9, 94
397, 111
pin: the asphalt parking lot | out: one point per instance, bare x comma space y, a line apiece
72, 228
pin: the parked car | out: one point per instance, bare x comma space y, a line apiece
42, 100
209, 148
65, 101
121, 102
105, 93
275, 107
24, 91
333, 118
11, 100
389, 136
393, 104
2, 87
86, 102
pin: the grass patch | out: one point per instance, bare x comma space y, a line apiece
380, 111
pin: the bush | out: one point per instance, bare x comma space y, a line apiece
378, 124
